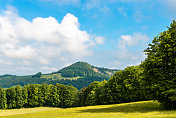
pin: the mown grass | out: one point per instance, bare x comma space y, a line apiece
143, 109
58, 76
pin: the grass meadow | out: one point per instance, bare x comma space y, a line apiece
58, 76
142, 109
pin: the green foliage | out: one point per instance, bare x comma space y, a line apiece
54, 96
33, 95
78, 69
11, 97
124, 86
3, 99
84, 69
91, 95
38, 95
19, 97
25, 95
67, 95
160, 66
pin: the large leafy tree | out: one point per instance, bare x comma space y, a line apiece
125, 86
33, 95
11, 97
54, 97
67, 95
160, 66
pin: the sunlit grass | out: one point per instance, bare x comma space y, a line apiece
143, 109
58, 76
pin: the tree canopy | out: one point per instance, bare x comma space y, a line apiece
160, 66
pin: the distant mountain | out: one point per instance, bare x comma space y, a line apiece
79, 74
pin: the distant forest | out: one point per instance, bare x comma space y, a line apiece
79, 74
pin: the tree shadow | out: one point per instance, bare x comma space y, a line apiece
142, 107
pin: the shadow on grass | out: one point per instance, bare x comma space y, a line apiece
141, 107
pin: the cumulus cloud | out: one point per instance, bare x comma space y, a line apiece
125, 54
42, 41
132, 40
128, 51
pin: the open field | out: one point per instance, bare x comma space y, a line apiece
58, 76
144, 109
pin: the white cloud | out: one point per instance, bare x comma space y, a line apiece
99, 40
125, 54
132, 40
44, 41
128, 51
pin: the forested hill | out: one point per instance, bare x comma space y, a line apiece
79, 74
83, 69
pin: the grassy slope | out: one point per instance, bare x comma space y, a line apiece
58, 76
144, 109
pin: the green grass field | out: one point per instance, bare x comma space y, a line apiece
143, 109
58, 76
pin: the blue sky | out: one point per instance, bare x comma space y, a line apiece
46, 35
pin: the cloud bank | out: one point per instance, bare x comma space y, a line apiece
42, 42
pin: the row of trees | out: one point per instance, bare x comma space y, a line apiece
124, 86
38, 95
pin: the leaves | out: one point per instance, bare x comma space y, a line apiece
160, 65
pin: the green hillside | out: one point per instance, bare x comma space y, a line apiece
143, 109
84, 69
79, 74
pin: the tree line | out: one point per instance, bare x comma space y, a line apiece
124, 86
38, 95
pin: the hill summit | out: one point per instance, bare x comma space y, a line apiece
83, 69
